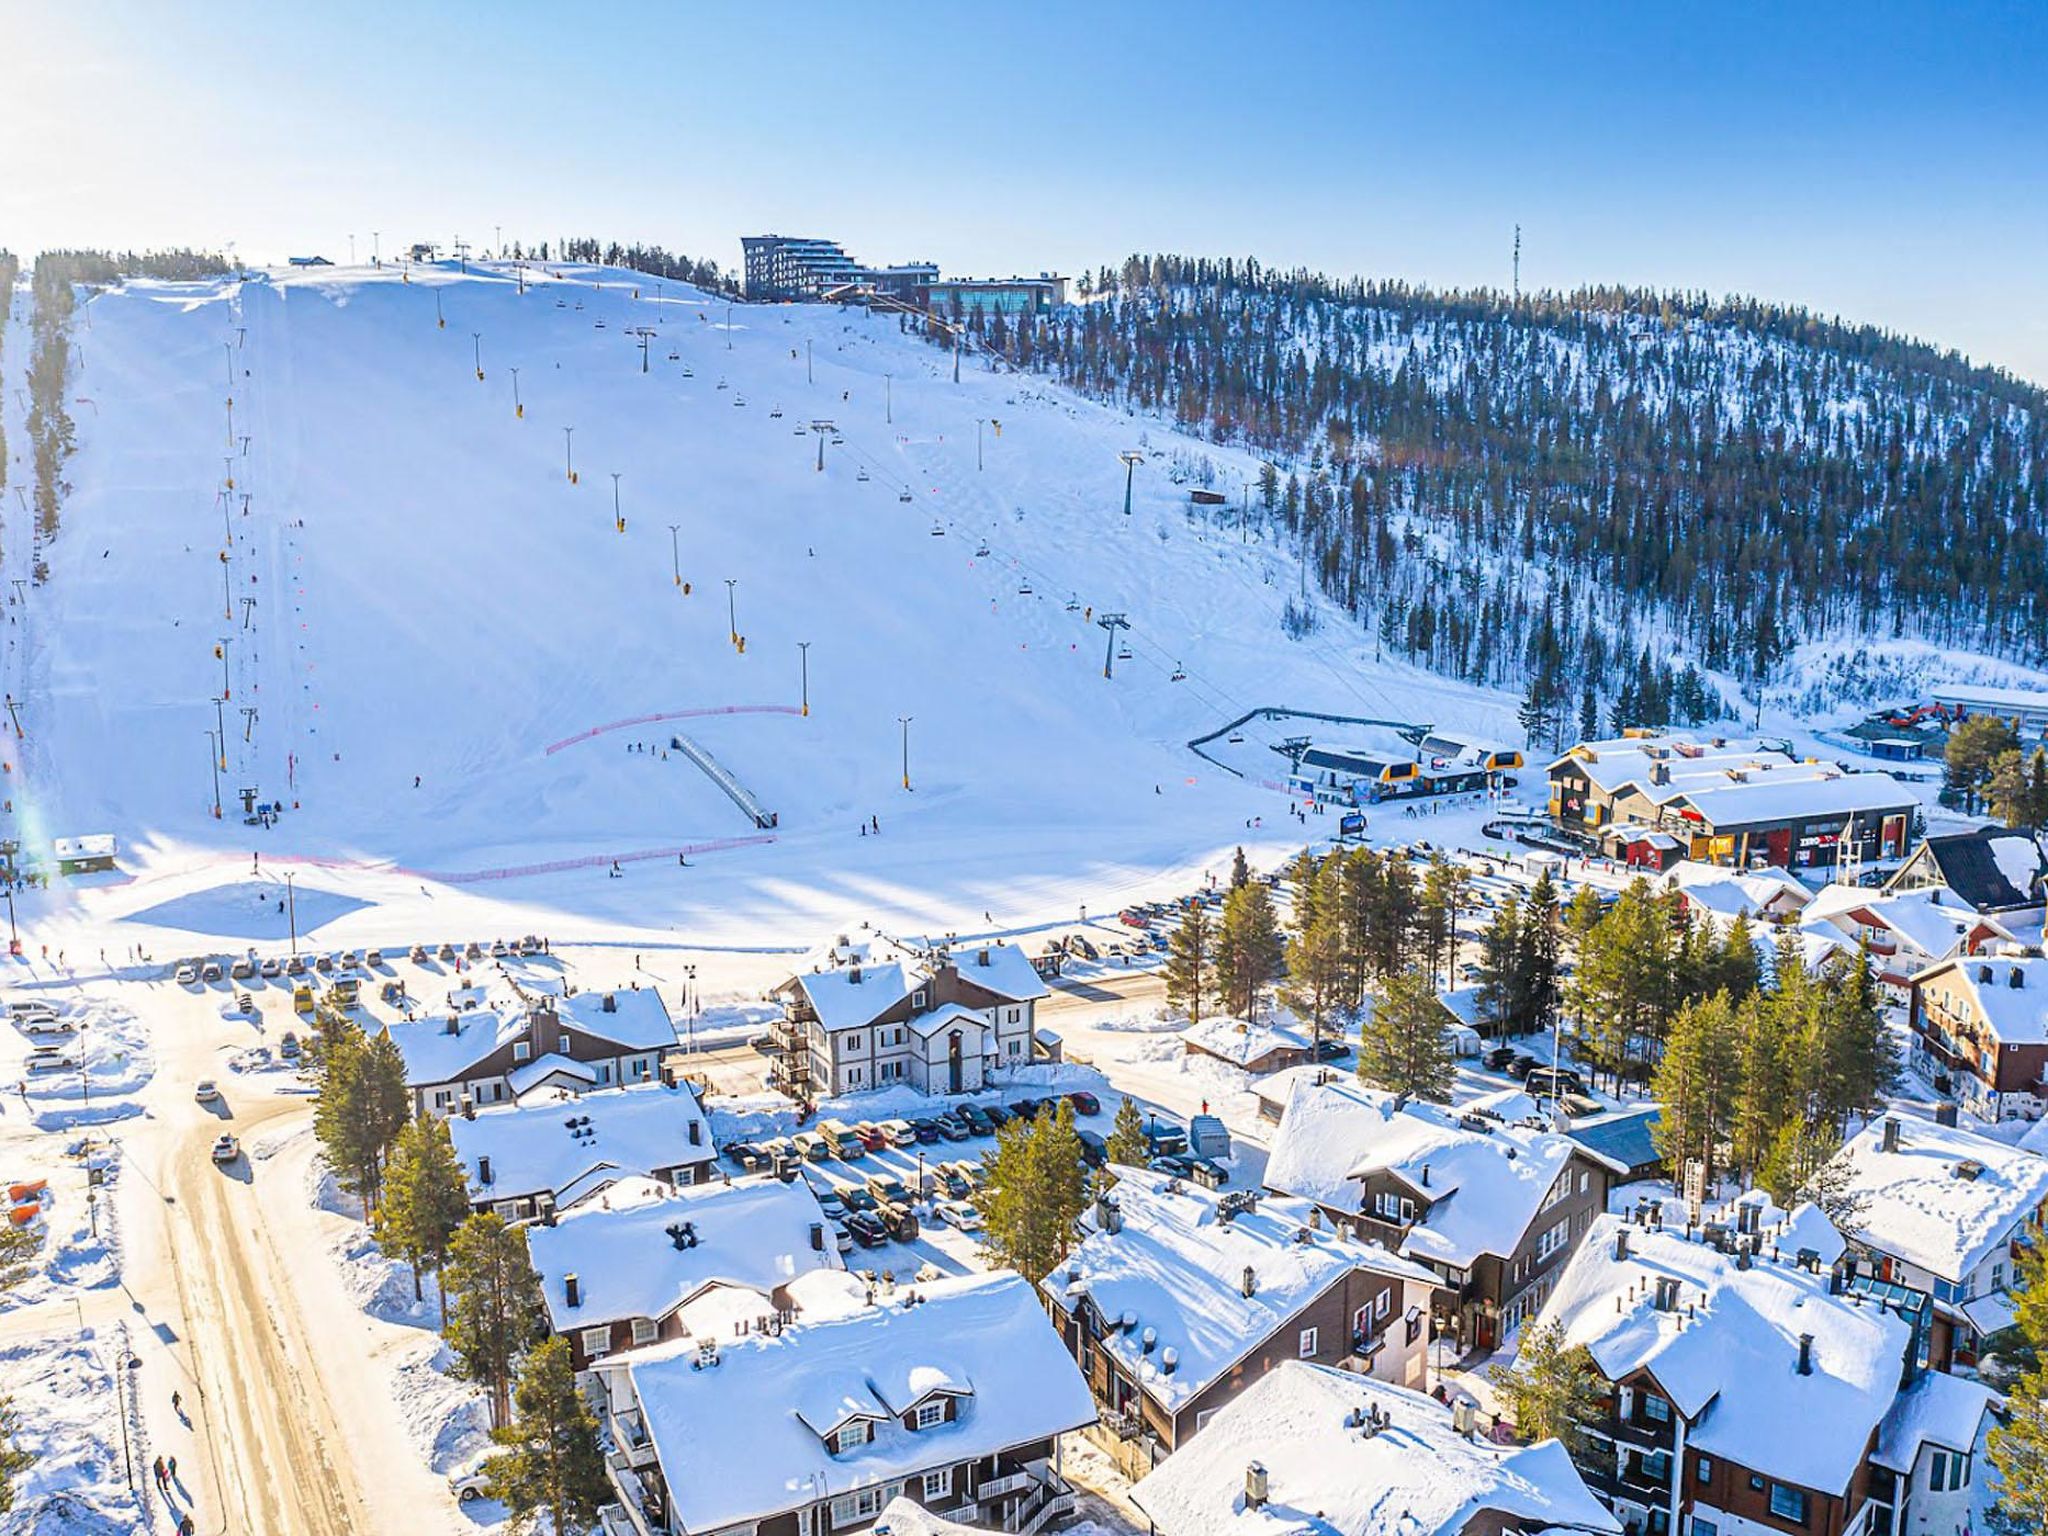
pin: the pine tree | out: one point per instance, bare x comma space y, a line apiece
1315, 949
1620, 993
13, 1459
2019, 1447
1551, 1391
1444, 889
1128, 1145
552, 1463
1188, 962
1972, 748
1404, 1046
1538, 956
1240, 871
426, 1198
1248, 950
1036, 1187
493, 1305
1696, 1082
18, 1249
1503, 997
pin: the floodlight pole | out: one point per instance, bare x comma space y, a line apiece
803, 652
904, 721
675, 555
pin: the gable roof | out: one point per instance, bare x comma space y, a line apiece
553, 1143
1990, 869
1914, 1204
1728, 1353
737, 1440
752, 1233
1176, 1264
1486, 1185
1937, 1409
1325, 1477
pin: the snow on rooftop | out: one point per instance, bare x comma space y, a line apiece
733, 1438
1177, 1266
2015, 1011
1003, 969
1727, 1353
2018, 858
442, 1047
1781, 795
1242, 1044
1937, 1409
634, 1017
852, 995
1486, 1185
1928, 919
754, 1234
1325, 1477
551, 1143
1916, 1203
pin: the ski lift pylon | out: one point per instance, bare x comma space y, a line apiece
1179, 676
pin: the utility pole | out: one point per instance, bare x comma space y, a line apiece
732, 621
1111, 623
221, 733
977, 442
675, 555
375, 259
1131, 460
889, 398
808, 379
291, 907
248, 613
803, 652
248, 721
518, 410
618, 517
569, 452
904, 721
227, 591
476, 339
213, 765
221, 651
440, 320
728, 327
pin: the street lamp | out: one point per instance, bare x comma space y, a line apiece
675, 556
569, 452
904, 721
618, 517
476, 342
291, 903
213, 765
803, 651
732, 621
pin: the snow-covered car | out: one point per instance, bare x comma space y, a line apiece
500, 949
226, 1149
186, 975
39, 1024
26, 1011
210, 971
206, 1091
468, 1487
445, 953
958, 1213
418, 954
833, 1207
296, 966
271, 968
50, 1058
244, 968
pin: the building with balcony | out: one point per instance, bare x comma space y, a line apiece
1991, 870
1325, 1452
879, 1014
1177, 1299
1979, 1030
1493, 1208
953, 1394
1904, 931
1745, 1388
802, 267
1943, 1213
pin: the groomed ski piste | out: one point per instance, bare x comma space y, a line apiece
416, 588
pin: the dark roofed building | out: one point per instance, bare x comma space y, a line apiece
1990, 870
1625, 1139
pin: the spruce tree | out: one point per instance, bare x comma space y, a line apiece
426, 1197
1128, 1145
1551, 1392
18, 1249
494, 1309
1503, 999
1240, 871
2019, 1446
552, 1463
1315, 950
1035, 1189
1248, 950
1696, 1082
13, 1459
1403, 1045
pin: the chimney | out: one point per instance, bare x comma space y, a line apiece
696, 1133
853, 977
1621, 1245
2017, 979
1169, 1357
817, 1237
1891, 1135
483, 1171
981, 958
468, 1107
1945, 1114
1667, 1293
1806, 1354
1255, 1485
1251, 1282
610, 1003
572, 1289
1149, 1340
1425, 1175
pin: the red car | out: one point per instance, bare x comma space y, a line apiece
872, 1136
1133, 920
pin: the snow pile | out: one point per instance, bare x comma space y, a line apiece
64, 1391
109, 1061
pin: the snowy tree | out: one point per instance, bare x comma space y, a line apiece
494, 1310
1551, 1391
1189, 962
552, 1461
1403, 1045
426, 1198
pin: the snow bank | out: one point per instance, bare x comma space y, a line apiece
64, 1392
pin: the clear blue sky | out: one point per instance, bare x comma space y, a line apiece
1886, 162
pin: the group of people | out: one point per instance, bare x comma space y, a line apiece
166, 1470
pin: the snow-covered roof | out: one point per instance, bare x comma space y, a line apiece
1990, 869
1485, 1185
754, 1234
442, 1047
849, 984
634, 1017
1782, 795
907, 1517
1924, 1204
2012, 1013
552, 1144
1617, 762
1240, 1043
733, 1440
1177, 1266
951, 1015
1003, 969
1326, 1476
1929, 920
1465, 1004
1937, 1409
1758, 888
853, 995
523, 1079
1727, 1350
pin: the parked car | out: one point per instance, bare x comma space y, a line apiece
297, 965
856, 1198
899, 1221
1094, 1150
37, 1026
872, 1136
206, 1091
811, 1147
324, 964
885, 1188
1025, 1109
1176, 1166
830, 1203
959, 1215
186, 975
271, 968
417, 954
374, 959
445, 953
970, 1115
744, 1153
1165, 1138
1543, 1080
210, 971
49, 1058
288, 1046
500, 949
243, 968
953, 1182
226, 1149
1332, 1050
927, 1131
902, 1133
867, 1229
1084, 1102
1209, 1173
27, 1012
952, 1129
468, 1487
841, 1238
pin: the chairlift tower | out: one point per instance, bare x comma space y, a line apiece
1111, 623
824, 429
1131, 460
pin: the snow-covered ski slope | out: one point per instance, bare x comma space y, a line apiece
434, 597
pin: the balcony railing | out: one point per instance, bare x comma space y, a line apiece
995, 1488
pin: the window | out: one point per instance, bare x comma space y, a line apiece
645, 1330
1203, 1417
562, 1044
853, 1042
1553, 1240
1948, 1291
443, 1098
1585, 1182
1656, 1409
1016, 1015
931, 1414
1788, 1503
1701, 1527
1998, 1277
917, 998
1384, 1304
1015, 1047
854, 1432
604, 1071
1703, 1470
596, 1341
1947, 1471
521, 1050
1308, 1343
864, 1505
938, 1484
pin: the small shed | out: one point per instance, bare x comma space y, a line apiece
89, 855
1208, 498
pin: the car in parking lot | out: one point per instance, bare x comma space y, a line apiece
1174, 1165
186, 975
468, 1487
926, 1129
1025, 1109
886, 1187
871, 1135
899, 1221
445, 953
1094, 1150
830, 1203
960, 1215
1084, 1102
956, 1184
226, 1149
209, 970
996, 1115
243, 968
206, 1091
867, 1229
745, 1154
855, 1197
46, 1026
1331, 1050
49, 1058
30, 1011
970, 1115
271, 968
952, 1129
811, 1147
1547, 1080
902, 1133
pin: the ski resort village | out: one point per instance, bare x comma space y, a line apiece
879, 883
